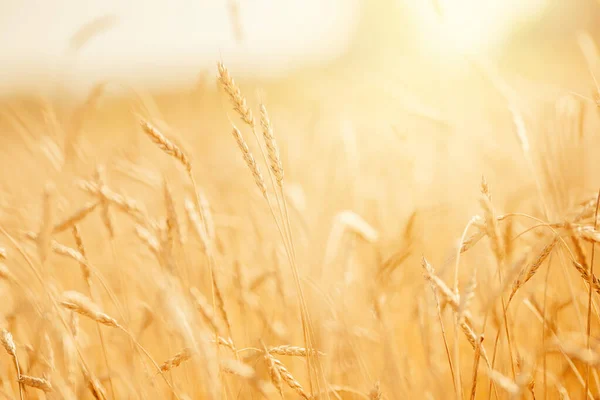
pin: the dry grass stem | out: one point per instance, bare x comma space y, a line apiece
45, 233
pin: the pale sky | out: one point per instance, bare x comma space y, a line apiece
181, 36
171, 41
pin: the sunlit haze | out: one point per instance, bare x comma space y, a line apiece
299, 199
472, 26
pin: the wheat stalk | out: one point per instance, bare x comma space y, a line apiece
107, 218
85, 268
173, 226
491, 223
207, 216
45, 233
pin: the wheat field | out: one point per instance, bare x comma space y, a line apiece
328, 237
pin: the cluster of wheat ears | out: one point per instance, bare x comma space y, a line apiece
203, 325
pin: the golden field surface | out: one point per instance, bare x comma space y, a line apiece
383, 225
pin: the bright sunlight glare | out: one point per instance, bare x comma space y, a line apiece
457, 27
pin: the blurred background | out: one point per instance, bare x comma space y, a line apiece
390, 109
431, 81
159, 43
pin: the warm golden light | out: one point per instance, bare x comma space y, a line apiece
471, 26
316, 199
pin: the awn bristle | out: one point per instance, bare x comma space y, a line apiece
250, 162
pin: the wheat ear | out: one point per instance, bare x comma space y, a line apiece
9, 345
165, 144
272, 148
239, 101
250, 162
